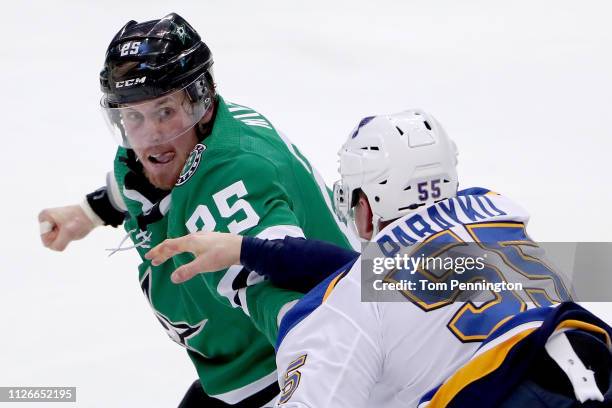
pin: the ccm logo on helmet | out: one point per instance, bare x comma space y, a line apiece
130, 82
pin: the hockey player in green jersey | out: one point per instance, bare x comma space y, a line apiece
190, 161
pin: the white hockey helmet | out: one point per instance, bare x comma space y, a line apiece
401, 162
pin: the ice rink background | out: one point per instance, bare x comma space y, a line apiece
523, 87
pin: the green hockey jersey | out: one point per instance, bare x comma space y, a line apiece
243, 178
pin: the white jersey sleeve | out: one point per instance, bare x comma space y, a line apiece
114, 194
344, 353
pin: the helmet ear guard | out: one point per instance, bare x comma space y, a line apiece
342, 204
202, 89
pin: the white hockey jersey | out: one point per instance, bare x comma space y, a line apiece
337, 350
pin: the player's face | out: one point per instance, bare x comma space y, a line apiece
162, 136
363, 218
157, 121
163, 163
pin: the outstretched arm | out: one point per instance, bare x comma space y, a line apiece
291, 263
294, 263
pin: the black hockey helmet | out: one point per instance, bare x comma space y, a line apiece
149, 59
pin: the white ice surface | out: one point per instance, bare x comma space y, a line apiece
523, 87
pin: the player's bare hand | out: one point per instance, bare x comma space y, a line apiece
214, 251
62, 225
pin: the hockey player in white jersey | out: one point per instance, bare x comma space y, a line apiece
399, 185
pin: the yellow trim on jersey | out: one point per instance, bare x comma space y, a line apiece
331, 286
532, 291
577, 324
490, 360
475, 369
432, 278
517, 246
508, 224
478, 310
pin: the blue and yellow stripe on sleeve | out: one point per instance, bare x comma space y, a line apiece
310, 302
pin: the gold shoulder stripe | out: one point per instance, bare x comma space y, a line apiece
577, 324
332, 285
475, 369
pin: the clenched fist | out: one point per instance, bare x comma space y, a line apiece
66, 224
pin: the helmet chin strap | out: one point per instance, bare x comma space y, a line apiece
353, 226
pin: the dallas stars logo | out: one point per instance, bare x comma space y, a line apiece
191, 165
180, 32
180, 332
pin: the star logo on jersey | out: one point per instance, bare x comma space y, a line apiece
179, 332
191, 165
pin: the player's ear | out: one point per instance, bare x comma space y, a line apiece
363, 216
365, 204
